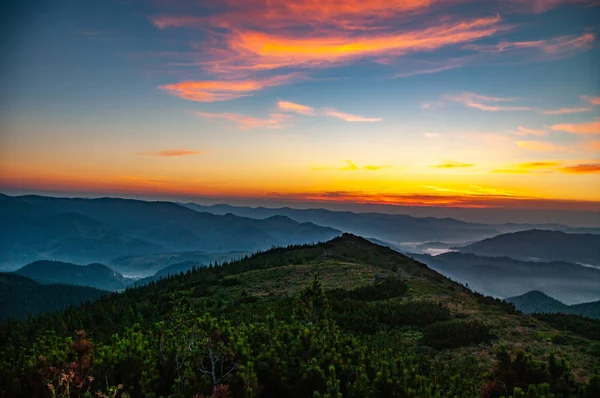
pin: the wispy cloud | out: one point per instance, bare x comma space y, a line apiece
565, 111
591, 100
431, 135
351, 166
171, 153
222, 90
556, 47
589, 168
585, 128
484, 103
525, 131
539, 6
452, 164
526, 168
274, 121
287, 106
541, 146
349, 117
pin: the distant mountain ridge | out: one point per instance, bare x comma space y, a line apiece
94, 275
540, 245
99, 230
505, 276
539, 302
393, 228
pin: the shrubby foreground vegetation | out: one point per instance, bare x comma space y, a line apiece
340, 319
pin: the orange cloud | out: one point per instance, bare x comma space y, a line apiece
593, 145
525, 131
484, 103
456, 199
565, 111
274, 121
215, 90
452, 164
349, 117
297, 108
540, 146
592, 168
341, 14
253, 50
586, 128
591, 100
172, 153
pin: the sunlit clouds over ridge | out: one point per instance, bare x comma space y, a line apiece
457, 103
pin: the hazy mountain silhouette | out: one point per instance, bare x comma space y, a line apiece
93, 275
149, 265
539, 302
541, 245
505, 277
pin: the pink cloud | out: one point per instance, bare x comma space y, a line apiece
274, 121
349, 117
565, 111
287, 106
525, 131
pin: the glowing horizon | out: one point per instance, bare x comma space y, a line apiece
447, 103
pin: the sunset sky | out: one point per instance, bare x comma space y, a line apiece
491, 103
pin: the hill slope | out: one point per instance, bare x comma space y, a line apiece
93, 275
343, 317
541, 245
22, 297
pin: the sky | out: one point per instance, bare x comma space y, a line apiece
445, 103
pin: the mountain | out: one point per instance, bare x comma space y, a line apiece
538, 302
93, 275
506, 277
340, 318
21, 297
148, 265
98, 230
540, 245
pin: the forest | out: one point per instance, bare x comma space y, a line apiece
345, 318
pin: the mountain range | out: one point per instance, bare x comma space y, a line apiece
99, 230
405, 232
